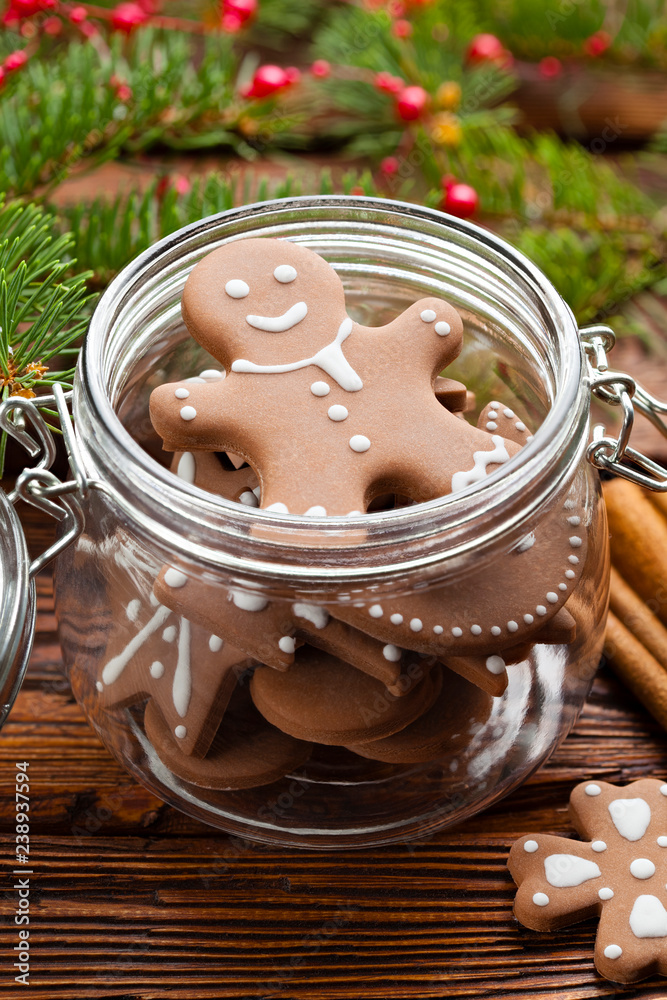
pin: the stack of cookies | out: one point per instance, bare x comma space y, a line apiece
312, 414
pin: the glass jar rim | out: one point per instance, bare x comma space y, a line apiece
422, 536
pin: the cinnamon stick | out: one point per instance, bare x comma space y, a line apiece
640, 671
638, 618
638, 542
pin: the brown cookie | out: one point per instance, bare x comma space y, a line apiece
497, 418
325, 700
619, 871
246, 752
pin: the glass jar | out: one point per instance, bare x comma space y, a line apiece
142, 521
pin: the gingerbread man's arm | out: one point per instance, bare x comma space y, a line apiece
191, 416
422, 340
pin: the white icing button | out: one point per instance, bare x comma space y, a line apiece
157, 669
662, 841
188, 413
284, 273
169, 633
592, 789
100, 686
520, 426
663, 789
375, 611
316, 511
495, 630
133, 609
396, 619
606, 893
338, 412
530, 846
491, 425
512, 626
181, 732
642, 868
278, 508
562, 586
215, 643
391, 653
154, 601
428, 315
457, 632
495, 403
599, 845
359, 443
541, 899
416, 624
320, 389
438, 629
476, 629
174, 578
574, 521
211, 374
196, 378
181, 393
492, 414
287, 644
552, 597
495, 664
613, 951
528, 619
570, 574
249, 499
541, 610
575, 542
442, 328
237, 289
508, 413
573, 559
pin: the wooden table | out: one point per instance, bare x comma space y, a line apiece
130, 898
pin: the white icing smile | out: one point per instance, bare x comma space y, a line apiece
278, 324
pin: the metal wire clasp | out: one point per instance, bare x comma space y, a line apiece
37, 485
620, 389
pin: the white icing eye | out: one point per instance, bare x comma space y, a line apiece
237, 289
285, 273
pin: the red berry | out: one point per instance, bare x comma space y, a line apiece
389, 166
293, 74
231, 23
181, 184
267, 80
15, 60
52, 26
3, 76
411, 102
244, 9
123, 92
461, 200
78, 15
321, 68
396, 8
388, 83
447, 181
597, 43
357, 189
128, 16
487, 48
550, 67
402, 29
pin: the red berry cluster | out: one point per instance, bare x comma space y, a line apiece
269, 80
235, 13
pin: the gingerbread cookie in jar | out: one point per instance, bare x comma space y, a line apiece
344, 571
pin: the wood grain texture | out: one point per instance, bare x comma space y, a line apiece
131, 899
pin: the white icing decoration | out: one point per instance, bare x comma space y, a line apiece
491, 415
316, 511
354, 513
442, 329
175, 579
391, 653
512, 626
520, 426
396, 619
157, 669
526, 542
481, 459
438, 629
416, 624
248, 602
211, 375
552, 597
508, 413
592, 789
648, 918
663, 789
360, 443
153, 599
186, 467
530, 846
330, 359
100, 686
495, 404
476, 629
541, 610
278, 324
188, 413
495, 664
287, 644
237, 289
337, 412
133, 609
428, 315
606, 893
249, 499
495, 630
631, 817
575, 542
319, 617
278, 508
196, 378
573, 559
491, 425
169, 633
320, 389
181, 393
257, 491
567, 870
115, 667
181, 732
562, 586
215, 643
541, 899
284, 273
599, 846
662, 841
375, 611
182, 685
613, 951
528, 619
570, 574
574, 521
457, 632
642, 868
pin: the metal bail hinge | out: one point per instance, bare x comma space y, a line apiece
620, 389
37, 485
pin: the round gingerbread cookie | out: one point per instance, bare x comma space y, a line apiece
325, 700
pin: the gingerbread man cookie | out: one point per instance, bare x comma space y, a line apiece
327, 412
619, 871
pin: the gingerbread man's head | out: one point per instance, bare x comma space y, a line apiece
271, 301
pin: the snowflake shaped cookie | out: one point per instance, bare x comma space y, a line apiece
619, 871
